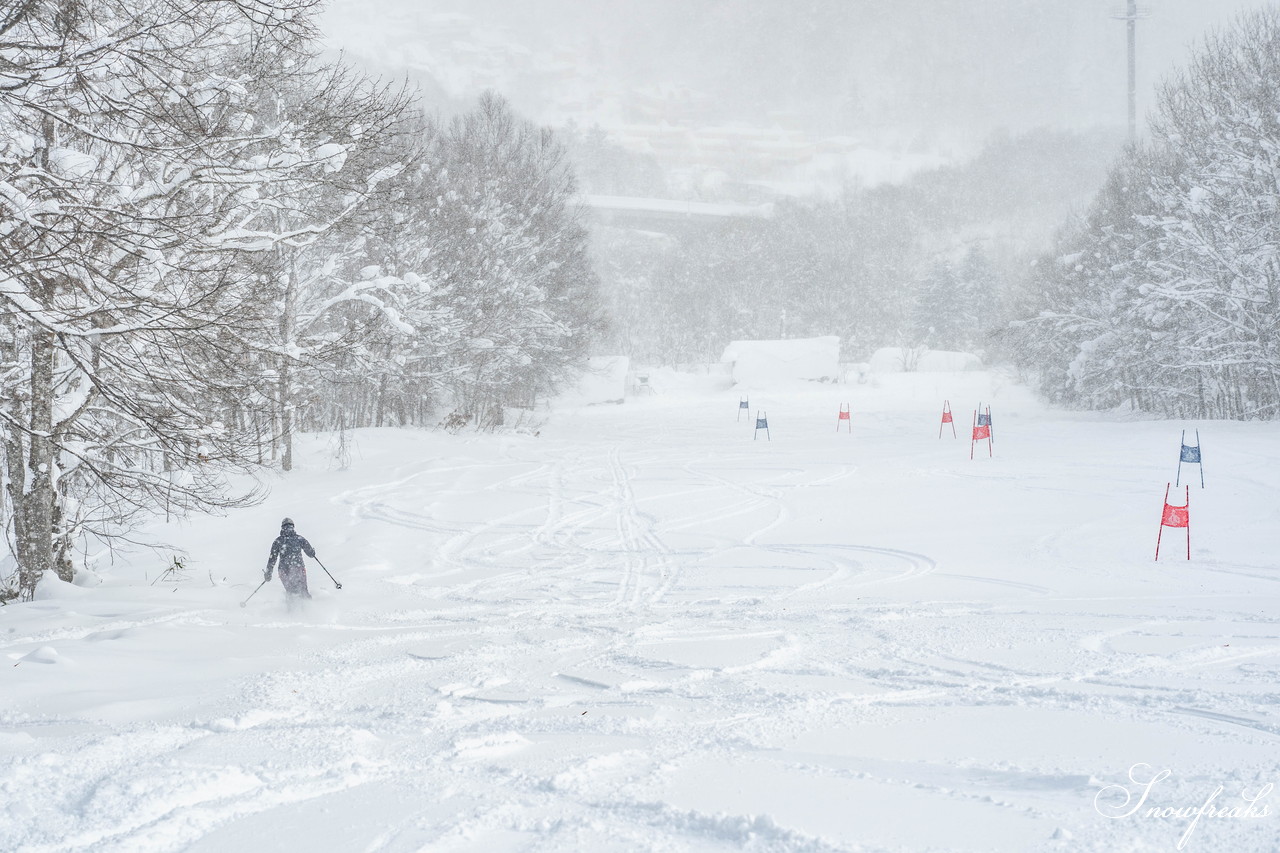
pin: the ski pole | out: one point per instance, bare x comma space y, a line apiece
252, 594
327, 572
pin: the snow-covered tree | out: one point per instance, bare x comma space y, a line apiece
494, 279
462, 282
1079, 332
956, 304
1215, 292
510, 254
345, 126
1166, 296
392, 372
135, 174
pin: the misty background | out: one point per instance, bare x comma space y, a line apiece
923, 78
916, 157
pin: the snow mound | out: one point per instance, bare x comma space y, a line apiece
764, 363
44, 654
605, 381
52, 587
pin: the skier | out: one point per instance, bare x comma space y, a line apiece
288, 548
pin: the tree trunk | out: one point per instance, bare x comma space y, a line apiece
31, 485
286, 416
382, 400
287, 323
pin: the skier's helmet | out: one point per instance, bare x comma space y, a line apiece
288, 522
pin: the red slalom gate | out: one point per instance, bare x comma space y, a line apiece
981, 432
844, 416
1175, 516
947, 419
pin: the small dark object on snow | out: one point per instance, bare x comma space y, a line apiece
288, 549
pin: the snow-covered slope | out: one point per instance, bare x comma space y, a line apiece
645, 628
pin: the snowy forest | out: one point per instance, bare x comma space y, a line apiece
213, 237
1165, 296
934, 262
1159, 294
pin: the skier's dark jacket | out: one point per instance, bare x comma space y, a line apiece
288, 548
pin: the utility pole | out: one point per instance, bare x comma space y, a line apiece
1132, 25
1130, 17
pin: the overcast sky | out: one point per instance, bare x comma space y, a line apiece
872, 68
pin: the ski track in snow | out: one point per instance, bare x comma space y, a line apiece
622, 637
